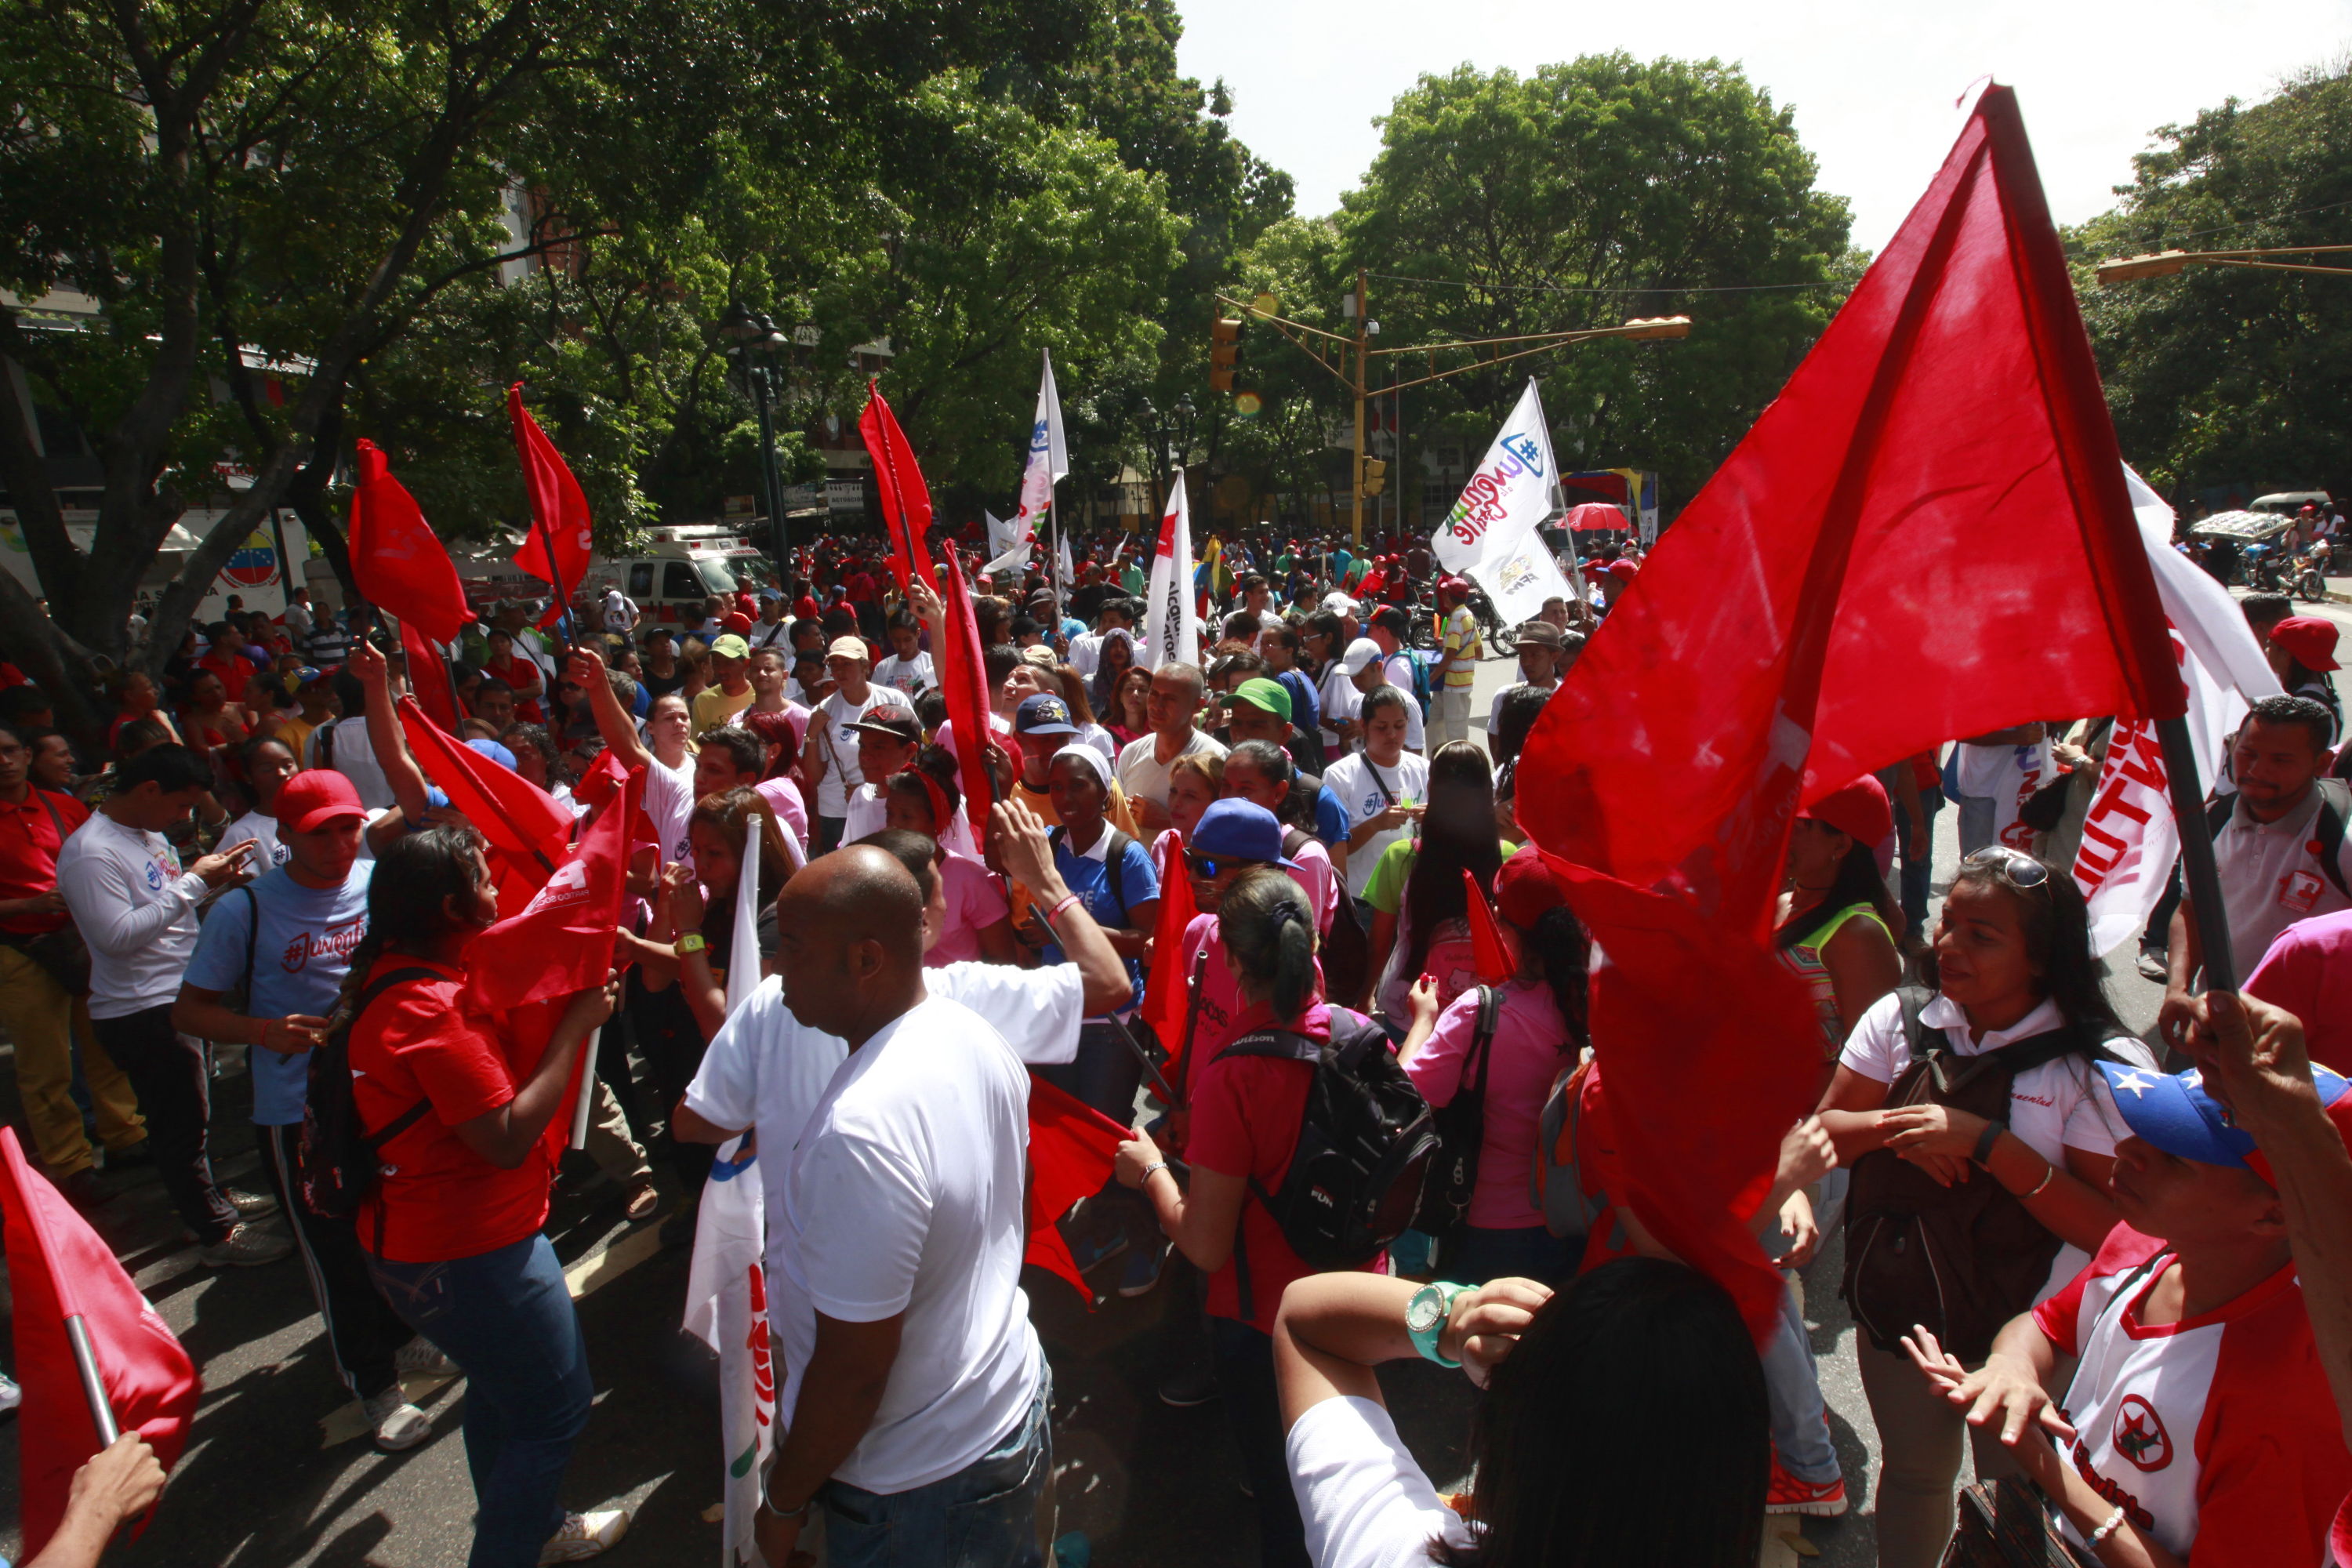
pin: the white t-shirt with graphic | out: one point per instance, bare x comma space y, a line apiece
1364, 789
837, 744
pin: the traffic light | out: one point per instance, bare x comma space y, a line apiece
1376, 476
1224, 348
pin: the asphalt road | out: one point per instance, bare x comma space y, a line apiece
278, 1476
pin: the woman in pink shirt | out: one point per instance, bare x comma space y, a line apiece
924, 799
1539, 1027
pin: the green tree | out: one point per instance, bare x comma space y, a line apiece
2221, 375
1581, 196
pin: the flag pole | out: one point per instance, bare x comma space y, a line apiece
2199, 877
94, 1383
587, 1095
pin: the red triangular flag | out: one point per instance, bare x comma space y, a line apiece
59, 1268
428, 678
561, 940
527, 828
560, 540
1488, 955
398, 561
963, 681
1071, 1147
1167, 989
1926, 535
905, 500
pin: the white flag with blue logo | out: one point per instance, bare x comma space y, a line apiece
1490, 535
1049, 459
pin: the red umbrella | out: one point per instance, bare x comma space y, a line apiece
1593, 514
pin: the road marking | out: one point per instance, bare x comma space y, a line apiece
602, 1267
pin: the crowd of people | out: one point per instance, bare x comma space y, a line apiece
262, 865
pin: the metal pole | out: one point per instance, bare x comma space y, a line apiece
2198, 878
771, 497
93, 1384
1363, 344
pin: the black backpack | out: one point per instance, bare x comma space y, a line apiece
335, 1165
1461, 1131
1962, 1259
1356, 1175
1114, 860
2326, 828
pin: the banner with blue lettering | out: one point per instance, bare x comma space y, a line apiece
1490, 535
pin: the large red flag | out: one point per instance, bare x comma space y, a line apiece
561, 940
528, 829
560, 540
428, 678
1926, 535
1071, 1147
1488, 953
1167, 989
59, 1268
963, 681
396, 560
905, 500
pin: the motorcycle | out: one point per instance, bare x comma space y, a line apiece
2309, 575
1504, 639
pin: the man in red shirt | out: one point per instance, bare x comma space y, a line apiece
44, 1019
227, 660
2199, 1424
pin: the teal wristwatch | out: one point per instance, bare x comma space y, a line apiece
1425, 1315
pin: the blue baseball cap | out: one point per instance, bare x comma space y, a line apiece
1239, 830
2175, 1114
1043, 714
496, 753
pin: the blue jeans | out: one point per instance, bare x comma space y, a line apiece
1482, 1253
983, 1516
1918, 875
506, 1319
1792, 1393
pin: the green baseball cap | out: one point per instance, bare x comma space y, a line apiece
1270, 695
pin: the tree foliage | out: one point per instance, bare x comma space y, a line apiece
2220, 376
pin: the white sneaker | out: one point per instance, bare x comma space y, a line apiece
585, 1535
397, 1424
420, 1357
249, 1205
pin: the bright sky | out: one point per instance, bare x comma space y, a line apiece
1873, 84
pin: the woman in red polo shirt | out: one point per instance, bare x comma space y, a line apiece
452, 1231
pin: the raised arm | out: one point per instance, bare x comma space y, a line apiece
391, 746
614, 723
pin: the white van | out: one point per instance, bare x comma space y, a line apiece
681, 566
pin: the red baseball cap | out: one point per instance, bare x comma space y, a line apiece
737, 623
2311, 639
1859, 810
314, 797
1525, 889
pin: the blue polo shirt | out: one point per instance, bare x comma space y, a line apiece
299, 963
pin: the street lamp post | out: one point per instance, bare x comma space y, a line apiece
755, 340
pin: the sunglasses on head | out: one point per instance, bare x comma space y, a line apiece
2016, 867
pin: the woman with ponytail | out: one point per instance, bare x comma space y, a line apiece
1246, 1111
458, 1110
1539, 1027
924, 797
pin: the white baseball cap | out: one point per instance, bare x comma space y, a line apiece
1361, 655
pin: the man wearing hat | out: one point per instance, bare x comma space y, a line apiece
830, 757
1041, 727
1544, 656
1260, 709
2280, 849
730, 659
286, 942
772, 630
2302, 650
888, 739
314, 690
2199, 1426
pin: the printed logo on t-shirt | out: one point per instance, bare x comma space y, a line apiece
2298, 890
336, 942
154, 878
2140, 1437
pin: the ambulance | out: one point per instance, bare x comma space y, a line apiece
679, 566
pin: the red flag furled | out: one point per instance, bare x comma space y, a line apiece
1488, 954
963, 681
1167, 993
59, 1268
528, 829
1071, 1146
560, 540
905, 500
1926, 535
398, 564
428, 676
561, 940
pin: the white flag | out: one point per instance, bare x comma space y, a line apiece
1170, 633
727, 1309
2130, 836
1490, 535
1066, 569
1049, 457
743, 957
1002, 536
